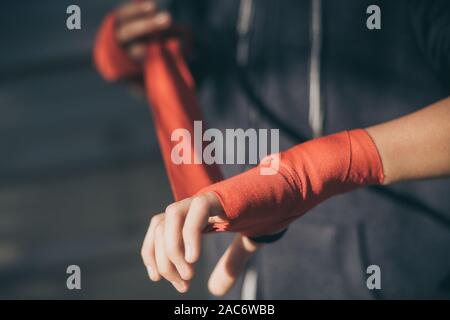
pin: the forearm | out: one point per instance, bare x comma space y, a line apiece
415, 146
411, 147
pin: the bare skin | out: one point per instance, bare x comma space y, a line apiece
415, 146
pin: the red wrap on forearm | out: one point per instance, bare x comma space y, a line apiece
109, 57
171, 92
308, 174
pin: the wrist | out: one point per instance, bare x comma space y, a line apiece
308, 174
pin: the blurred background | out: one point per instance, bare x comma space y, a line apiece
80, 169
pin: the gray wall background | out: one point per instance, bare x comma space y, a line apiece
80, 169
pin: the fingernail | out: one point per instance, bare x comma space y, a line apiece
188, 254
162, 18
180, 286
150, 272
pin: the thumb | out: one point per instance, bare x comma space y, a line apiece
231, 265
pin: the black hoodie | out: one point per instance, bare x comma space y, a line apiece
278, 64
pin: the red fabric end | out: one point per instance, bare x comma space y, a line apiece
109, 58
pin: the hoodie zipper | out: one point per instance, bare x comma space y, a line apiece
316, 112
242, 29
316, 115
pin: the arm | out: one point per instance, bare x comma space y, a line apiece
411, 147
415, 146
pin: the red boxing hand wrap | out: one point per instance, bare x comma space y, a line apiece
308, 174
110, 59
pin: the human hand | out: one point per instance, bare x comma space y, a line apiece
137, 22
173, 244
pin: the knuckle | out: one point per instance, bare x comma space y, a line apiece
155, 220
164, 270
200, 202
172, 210
159, 227
172, 251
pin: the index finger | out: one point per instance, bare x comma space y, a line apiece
196, 220
231, 265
